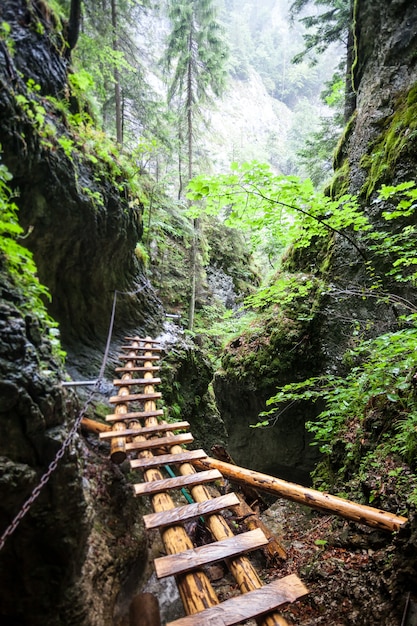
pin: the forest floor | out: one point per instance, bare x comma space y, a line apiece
347, 568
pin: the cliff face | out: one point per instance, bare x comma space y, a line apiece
76, 206
65, 563
379, 146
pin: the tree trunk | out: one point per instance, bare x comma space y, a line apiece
350, 94
193, 263
322, 501
117, 94
74, 24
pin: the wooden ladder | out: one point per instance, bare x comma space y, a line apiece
158, 445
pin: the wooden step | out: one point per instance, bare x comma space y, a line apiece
119, 382
139, 357
168, 459
159, 442
146, 340
149, 368
189, 511
152, 349
248, 605
146, 430
133, 397
134, 415
178, 482
188, 560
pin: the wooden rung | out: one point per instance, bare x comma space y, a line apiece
189, 511
136, 396
168, 459
183, 562
121, 417
139, 357
148, 368
153, 349
165, 484
158, 442
245, 606
146, 430
146, 340
120, 382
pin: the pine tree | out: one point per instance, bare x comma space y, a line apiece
196, 56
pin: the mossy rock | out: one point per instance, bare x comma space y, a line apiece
395, 146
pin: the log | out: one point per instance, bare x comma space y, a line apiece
186, 561
144, 610
274, 551
195, 588
251, 495
310, 497
240, 608
241, 568
93, 426
118, 444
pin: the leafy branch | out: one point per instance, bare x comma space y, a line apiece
248, 198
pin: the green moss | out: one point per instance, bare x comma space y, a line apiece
397, 139
339, 158
340, 182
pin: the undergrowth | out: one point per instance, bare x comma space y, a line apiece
17, 262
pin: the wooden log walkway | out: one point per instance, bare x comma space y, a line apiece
137, 426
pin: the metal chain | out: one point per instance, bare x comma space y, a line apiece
54, 463
46, 476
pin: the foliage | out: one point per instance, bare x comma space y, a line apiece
275, 209
19, 264
316, 154
324, 28
385, 368
195, 62
396, 247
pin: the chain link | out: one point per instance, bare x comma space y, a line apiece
54, 463
46, 476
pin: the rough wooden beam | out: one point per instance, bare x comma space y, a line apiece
304, 495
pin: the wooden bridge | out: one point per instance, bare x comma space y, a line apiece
159, 445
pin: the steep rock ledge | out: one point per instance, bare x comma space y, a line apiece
81, 228
66, 561
378, 146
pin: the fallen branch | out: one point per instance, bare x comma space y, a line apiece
309, 497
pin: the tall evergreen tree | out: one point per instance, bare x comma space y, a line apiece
334, 24
195, 56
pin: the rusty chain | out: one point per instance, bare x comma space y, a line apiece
46, 476
54, 463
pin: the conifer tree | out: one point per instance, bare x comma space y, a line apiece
196, 56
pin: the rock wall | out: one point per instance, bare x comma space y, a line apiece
76, 210
73, 552
378, 146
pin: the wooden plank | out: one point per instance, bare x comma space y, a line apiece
175, 564
136, 396
167, 459
150, 349
143, 340
136, 381
360, 513
146, 430
143, 368
189, 511
248, 605
159, 442
134, 415
157, 486
139, 357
